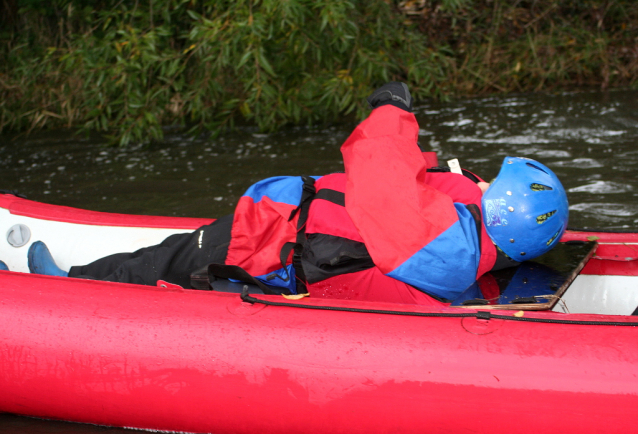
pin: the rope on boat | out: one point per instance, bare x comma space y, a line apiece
484, 315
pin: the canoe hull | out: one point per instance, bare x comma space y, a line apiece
197, 361
202, 361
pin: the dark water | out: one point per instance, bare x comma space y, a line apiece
588, 138
11, 424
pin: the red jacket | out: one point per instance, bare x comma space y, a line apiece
420, 231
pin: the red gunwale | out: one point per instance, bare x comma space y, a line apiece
59, 213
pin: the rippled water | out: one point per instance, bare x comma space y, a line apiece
587, 138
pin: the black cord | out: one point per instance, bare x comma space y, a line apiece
485, 315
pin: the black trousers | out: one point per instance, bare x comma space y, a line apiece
173, 260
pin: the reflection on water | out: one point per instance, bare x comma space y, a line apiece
587, 138
602, 187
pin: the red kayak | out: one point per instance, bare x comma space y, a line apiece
164, 358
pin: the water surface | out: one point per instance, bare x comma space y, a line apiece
587, 138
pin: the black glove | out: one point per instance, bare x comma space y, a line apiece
394, 93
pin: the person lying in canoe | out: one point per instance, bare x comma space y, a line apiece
390, 228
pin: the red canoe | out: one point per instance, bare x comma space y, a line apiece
165, 358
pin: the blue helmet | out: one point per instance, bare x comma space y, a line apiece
525, 210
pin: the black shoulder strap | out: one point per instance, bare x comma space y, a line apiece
334, 196
308, 194
203, 278
300, 274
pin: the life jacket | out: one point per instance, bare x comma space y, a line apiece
283, 218
336, 263
266, 220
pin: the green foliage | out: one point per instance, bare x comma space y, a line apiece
127, 69
496, 45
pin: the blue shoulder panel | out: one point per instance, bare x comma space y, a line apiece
283, 189
448, 264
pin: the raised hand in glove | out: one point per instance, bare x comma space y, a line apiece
394, 93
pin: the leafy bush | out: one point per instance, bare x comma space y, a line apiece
127, 69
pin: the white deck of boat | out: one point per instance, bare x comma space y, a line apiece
75, 244
610, 295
